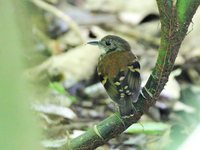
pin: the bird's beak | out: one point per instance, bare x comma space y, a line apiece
97, 43
93, 42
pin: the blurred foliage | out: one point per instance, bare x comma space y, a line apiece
18, 125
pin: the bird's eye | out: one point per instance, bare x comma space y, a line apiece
108, 42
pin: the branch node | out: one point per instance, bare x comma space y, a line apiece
120, 120
97, 132
148, 92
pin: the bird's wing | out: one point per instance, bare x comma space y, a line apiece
110, 87
128, 82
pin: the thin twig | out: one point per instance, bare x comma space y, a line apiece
72, 24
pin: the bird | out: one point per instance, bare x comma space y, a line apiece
119, 72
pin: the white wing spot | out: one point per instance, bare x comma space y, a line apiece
122, 95
117, 83
120, 90
121, 78
129, 93
104, 81
125, 87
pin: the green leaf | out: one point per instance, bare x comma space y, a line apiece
60, 89
71, 97
57, 87
148, 128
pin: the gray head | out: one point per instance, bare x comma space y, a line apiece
112, 43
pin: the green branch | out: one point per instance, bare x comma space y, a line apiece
175, 19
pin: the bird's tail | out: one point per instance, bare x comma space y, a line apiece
126, 108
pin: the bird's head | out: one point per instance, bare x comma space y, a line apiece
112, 43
